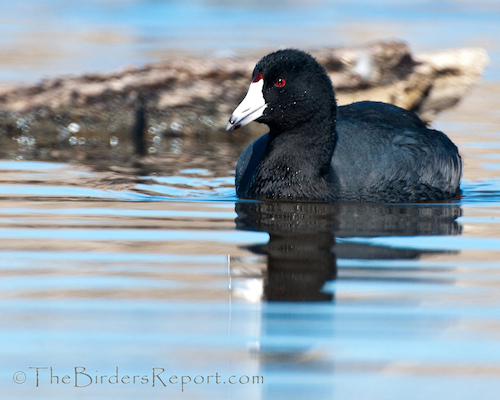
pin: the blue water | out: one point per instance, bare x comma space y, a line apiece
325, 301
50, 37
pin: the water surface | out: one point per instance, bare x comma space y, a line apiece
167, 273
51, 37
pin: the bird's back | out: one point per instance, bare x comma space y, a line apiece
385, 153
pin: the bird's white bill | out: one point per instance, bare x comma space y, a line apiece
251, 108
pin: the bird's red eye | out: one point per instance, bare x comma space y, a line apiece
280, 82
257, 77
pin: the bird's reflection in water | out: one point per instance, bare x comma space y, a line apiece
302, 250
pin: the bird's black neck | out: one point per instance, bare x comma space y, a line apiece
296, 162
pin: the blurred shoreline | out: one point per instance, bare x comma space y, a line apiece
156, 108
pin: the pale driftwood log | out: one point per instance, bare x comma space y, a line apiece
188, 96
426, 83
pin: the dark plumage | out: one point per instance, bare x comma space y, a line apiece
366, 151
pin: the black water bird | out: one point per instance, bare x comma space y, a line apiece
314, 150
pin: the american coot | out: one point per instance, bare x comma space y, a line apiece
314, 150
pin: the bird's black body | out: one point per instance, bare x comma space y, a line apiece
366, 151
